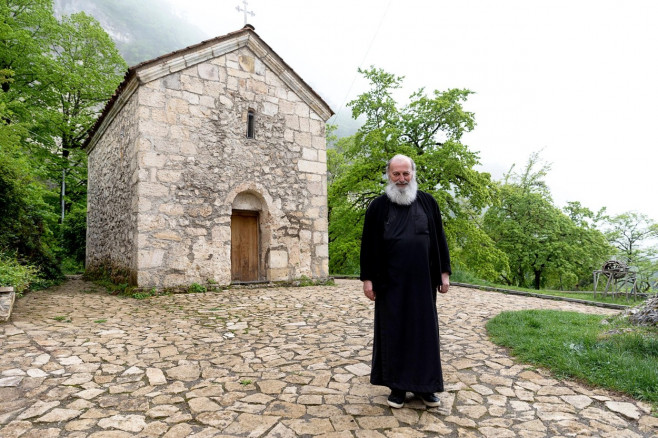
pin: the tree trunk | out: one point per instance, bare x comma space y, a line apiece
62, 197
62, 192
537, 279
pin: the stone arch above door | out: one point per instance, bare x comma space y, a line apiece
250, 193
250, 236
248, 201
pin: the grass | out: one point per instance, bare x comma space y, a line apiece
599, 298
467, 278
610, 354
145, 294
112, 287
587, 296
62, 318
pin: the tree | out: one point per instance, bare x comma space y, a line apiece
24, 30
630, 234
345, 221
54, 78
84, 70
542, 243
590, 245
26, 221
429, 130
583, 216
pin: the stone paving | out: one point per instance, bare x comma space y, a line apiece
274, 362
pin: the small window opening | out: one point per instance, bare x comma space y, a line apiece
250, 124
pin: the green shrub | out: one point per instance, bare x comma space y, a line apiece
15, 274
103, 279
305, 281
465, 276
196, 288
72, 266
27, 221
74, 231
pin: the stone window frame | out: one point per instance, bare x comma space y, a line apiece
251, 123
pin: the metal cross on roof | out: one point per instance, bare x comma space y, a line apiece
244, 3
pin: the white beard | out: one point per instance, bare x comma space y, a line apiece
402, 194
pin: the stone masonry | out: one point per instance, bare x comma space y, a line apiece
7, 298
170, 162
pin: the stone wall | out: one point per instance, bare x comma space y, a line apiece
7, 298
195, 162
111, 197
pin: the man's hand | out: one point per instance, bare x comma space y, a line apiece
367, 290
445, 282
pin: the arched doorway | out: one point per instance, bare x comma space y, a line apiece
249, 236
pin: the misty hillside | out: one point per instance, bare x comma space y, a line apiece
142, 30
145, 29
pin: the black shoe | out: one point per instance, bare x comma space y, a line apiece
396, 399
429, 398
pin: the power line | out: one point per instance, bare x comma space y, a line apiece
379, 25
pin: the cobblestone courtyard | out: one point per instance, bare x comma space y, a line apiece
273, 362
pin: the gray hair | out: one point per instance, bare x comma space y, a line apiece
400, 157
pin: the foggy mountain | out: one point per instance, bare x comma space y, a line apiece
145, 29
142, 30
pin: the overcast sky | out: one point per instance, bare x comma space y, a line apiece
577, 79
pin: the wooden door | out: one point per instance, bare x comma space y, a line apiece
244, 246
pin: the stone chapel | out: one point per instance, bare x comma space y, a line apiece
208, 165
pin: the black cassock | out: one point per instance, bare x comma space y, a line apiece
406, 353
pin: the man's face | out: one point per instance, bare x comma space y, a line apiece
400, 173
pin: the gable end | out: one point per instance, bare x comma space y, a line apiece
176, 61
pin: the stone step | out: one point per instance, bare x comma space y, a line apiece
7, 298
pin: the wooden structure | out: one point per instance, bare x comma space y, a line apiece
244, 246
620, 278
